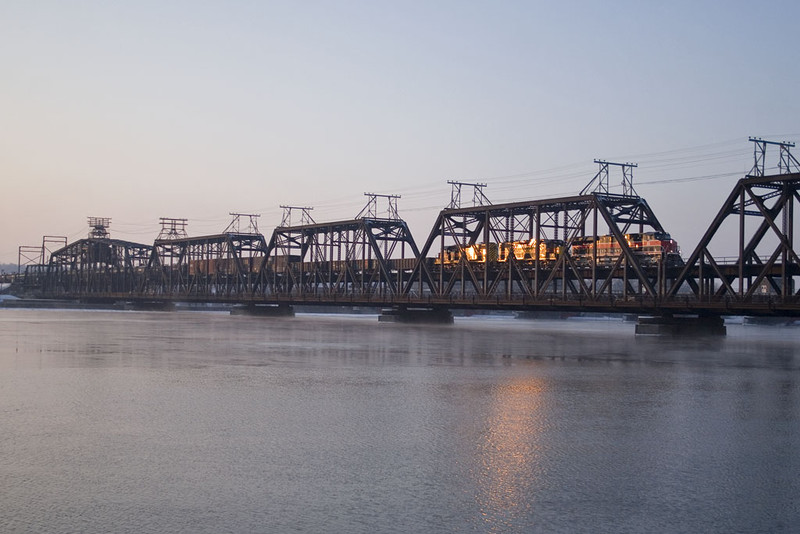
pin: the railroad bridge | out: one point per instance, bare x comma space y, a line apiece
596, 252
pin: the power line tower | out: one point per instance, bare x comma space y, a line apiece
51, 243
478, 198
370, 211
786, 162
236, 223
39, 257
305, 216
600, 182
172, 228
28, 255
99, 227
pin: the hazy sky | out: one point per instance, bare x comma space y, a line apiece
193, 109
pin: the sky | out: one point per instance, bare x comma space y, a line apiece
196, 109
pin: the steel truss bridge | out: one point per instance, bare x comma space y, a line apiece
374, 260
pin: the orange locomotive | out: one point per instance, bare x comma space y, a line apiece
651, 248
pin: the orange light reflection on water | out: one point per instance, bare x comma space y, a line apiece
509, 453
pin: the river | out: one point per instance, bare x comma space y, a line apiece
204, 422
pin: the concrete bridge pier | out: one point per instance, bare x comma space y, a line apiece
264, 310
681, 325
404, 314
150, 305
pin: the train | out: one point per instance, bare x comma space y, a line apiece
650, 248
546, 249
253, 265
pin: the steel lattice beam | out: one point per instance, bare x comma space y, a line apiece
364, 256
763, 208
566, 221
96, 267
214, 266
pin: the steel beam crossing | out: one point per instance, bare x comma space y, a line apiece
596, 251
95, 266
221, 266
567, 248
761, 211
359, 257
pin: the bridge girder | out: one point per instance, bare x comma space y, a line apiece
364, 256
370, 260
96, 266
761, 209
221, 265
561, 221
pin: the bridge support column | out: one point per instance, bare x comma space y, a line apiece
403, 314
669, 325
264, 310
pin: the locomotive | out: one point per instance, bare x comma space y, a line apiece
650, 248
547, 250
480, 253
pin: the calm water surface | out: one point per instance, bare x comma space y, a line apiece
204, 422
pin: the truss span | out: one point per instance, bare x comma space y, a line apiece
591, 252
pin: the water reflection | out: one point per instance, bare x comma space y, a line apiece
212, 423
509, 452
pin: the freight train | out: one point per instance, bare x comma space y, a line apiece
650, 248
230, 266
